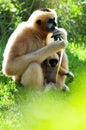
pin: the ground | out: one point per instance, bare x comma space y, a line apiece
26, 109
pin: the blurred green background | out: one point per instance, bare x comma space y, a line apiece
47, 109
71, 15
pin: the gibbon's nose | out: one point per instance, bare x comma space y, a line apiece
53, 62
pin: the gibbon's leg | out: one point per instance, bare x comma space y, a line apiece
67, 73
16, 78
33, 76
60, 79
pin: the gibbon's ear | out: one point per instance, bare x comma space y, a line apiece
38, 22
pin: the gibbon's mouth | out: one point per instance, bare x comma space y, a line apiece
51, 29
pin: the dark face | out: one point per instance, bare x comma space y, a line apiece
47, 25
51, 24
53, 62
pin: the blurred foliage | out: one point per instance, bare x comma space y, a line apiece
71, 15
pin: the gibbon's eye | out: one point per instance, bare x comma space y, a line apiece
38, 21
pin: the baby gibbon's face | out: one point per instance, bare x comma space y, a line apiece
52, 61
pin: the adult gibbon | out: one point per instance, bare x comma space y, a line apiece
27, 48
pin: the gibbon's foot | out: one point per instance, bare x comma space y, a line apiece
51, 86
70, 75
66, 88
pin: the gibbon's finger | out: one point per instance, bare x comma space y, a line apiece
56, 34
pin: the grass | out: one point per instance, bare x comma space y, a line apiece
25, 109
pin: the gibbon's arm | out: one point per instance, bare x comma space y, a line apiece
17, 65
63, 71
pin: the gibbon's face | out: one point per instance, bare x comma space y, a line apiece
51, 24
44, 20
52, 62
47, 25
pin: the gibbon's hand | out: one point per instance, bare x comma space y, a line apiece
60, 34
56, 34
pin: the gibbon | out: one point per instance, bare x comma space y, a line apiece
52, 71
52, 74
27, 48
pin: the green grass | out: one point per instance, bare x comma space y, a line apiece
25, 109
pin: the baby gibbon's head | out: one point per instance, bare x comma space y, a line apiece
44, 19
52, 61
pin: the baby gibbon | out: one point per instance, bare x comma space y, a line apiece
27, 48
50, 71
54, 71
